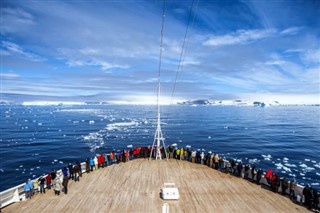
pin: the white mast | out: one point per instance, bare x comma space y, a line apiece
158, 137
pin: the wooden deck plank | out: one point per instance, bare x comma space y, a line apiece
135, 187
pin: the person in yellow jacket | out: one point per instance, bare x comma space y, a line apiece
186, 154
35, 186
181, 154
216, 161
178, 153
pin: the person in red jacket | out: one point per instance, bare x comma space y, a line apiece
127, 155
102, 159
111, 158
99, 161
48, 180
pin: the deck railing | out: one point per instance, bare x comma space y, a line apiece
17, 193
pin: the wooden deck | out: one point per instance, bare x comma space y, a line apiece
135, 187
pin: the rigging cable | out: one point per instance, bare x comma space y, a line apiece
160, 57
184, 47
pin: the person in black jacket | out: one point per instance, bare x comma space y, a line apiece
70, 168
76, 171
285, 185
42, 181
87, 165
316, 199
309, 198
65, 183
253, 173
304, 193
259, 175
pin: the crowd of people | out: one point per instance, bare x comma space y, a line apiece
59, 180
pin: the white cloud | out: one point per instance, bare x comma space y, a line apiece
275, 62
239, 37
15, 20
9, 75
190, 61
87, 57
15, 49
291, 31
312, 56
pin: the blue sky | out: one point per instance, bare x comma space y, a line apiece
109, 50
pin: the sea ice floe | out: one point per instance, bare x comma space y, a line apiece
1, 170
317, 173
39, 124
306, 159
315, 184
253, 161
267, 157
91, 122
61, 162
117, 126
303, 165
317, 165
290, 165
306, 168
302, 174
292, 175
55, 160
280, 166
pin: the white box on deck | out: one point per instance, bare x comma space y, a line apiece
170, 192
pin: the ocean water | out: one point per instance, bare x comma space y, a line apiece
36, 139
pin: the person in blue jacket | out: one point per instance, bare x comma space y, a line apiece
91, 163
31, 185
27, 190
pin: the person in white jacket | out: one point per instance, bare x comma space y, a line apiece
96, 162
57, 185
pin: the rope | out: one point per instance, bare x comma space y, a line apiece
184, 47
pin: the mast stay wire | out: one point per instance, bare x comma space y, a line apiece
161, 47
158, 136
184, 47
